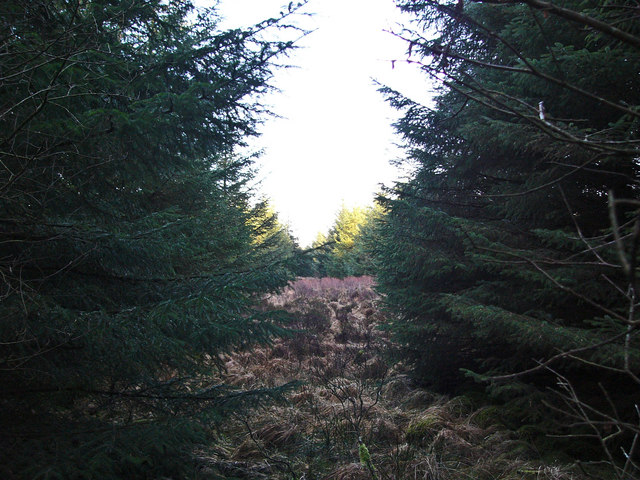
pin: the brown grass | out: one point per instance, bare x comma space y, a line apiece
350, 390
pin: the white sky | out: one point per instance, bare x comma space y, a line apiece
334, 141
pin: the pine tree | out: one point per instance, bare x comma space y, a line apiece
513, 246
131, 254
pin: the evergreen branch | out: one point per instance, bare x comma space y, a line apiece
64, 64
405, 193
546, 274
599, 171
542, 365
543, 125
530, 70
69, 28
182, 278
547, 127
545, 38
574, 16
577, 294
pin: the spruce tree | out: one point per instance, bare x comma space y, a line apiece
132, 254
513, 247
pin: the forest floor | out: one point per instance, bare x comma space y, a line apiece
352, 394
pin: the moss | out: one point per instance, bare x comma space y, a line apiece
487, 417
423, 431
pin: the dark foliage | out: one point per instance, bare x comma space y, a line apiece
514, 245
131, 255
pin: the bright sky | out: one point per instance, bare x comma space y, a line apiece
334, 141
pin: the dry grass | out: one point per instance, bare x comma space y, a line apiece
350, 471
332, 289
351, 391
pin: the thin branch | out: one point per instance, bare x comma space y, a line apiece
555, 358
577, 226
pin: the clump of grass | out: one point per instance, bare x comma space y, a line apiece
423, 430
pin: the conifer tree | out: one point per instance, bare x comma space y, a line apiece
131, 254
513, 247
344, 253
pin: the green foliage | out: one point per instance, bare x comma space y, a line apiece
365, 456
499, 251
342, 252
422, 432
365, 460
131, 253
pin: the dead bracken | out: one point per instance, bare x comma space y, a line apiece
351, 394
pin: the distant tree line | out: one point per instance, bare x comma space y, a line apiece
342, 251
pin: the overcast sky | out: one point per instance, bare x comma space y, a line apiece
334, 141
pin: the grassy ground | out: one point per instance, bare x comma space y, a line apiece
350, 396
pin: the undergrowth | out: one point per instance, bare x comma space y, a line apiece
352, 396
